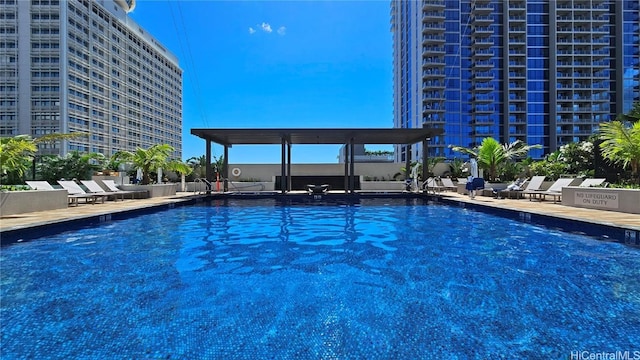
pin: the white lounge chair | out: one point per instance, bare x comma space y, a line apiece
73, 198
533, 186
513, 189
592, 182
448, 184
554, 190
40, 185
430, 185
111, 185
74, 189
96, 189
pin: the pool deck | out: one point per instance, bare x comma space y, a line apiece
544, 208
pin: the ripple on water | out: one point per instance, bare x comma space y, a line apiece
380, 280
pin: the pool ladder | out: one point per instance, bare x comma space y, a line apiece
202, 186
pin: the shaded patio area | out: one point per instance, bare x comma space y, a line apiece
325, 136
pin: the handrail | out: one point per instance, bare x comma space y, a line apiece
207, 184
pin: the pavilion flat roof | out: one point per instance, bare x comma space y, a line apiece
248, 136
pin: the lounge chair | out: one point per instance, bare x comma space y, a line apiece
73, 198
111, 185
592, 182
74, 189
94, 188
554, 190
532, 186
40, 185
513, 189
431, 185
448, 184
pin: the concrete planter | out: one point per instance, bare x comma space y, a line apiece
20, 202
382, 185
621, 200
154, 190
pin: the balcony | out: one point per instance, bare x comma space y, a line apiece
483, 109
431, 85
484, 7
483, 87
432, 74
482, 98
483, 64
431, 96
433, 50
482, 20
482, 76
431, 28
483, 30
430, 5
433, 16
431, 64
482, 42
432, 39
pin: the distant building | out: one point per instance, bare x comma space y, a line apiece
85, 66
361, 156
544, 72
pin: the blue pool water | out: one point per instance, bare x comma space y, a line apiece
382, 279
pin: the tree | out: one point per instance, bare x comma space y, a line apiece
15, 154
621, 145
18, 151
74, 165
199, 165
491, 154
154, 158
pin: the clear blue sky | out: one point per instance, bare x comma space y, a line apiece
271, 64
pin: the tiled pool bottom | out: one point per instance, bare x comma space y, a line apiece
257, 280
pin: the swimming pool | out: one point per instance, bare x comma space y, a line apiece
377, 280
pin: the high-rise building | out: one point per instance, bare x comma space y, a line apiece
543, 72
86, 66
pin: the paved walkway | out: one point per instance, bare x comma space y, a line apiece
547, 208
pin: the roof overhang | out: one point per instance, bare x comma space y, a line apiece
396, 136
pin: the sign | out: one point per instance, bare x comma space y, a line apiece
594, 199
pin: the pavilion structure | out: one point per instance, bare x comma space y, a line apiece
320, 136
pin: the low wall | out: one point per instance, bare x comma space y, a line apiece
20, 202
622, 200
154, 190
268, 172
233, 186
383, 185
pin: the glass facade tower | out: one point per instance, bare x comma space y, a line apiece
543, 72
85, 66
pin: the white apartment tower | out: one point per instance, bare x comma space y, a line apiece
85, 66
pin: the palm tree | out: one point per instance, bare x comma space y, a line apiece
199, 164
154, 158
621, 145
16, 152
491, 154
